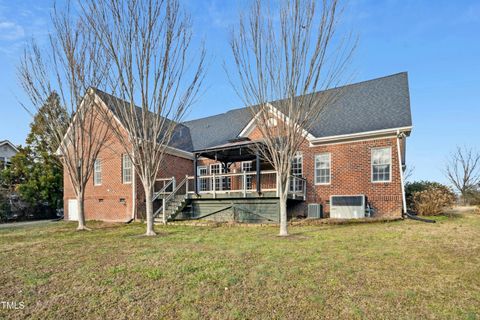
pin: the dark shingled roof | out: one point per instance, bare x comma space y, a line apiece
371, 105
218, 129
377, 104
181, 137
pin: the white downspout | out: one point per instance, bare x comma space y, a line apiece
404, 200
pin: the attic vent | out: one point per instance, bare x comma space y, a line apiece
241, 139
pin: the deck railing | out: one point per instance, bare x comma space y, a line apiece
298, 187
243, 183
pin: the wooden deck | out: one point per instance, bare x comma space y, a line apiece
227, 197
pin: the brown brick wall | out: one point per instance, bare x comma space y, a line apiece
104, 202
172, 166
113, 200
350, 175
112, 189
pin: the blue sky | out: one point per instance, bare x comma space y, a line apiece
437, 42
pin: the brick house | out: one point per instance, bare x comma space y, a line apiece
210, 171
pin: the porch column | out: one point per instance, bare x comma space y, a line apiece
259, 188
195, 176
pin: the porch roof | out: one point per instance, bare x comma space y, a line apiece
234, 151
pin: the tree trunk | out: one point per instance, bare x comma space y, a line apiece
283, 188
149, 210
81, 211
283, 215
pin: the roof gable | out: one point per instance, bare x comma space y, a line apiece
181, 137
9, 144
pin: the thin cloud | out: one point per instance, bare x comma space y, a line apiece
219, 18
18, 23
11, 31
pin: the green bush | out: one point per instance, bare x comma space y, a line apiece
433, 200
4, 207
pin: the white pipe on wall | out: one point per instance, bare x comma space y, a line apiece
404, 200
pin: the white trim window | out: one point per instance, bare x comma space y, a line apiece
297, 165
221, 183
323, 166
126, 169
202, 182
97, 172
382, 164
247, 167
296, 171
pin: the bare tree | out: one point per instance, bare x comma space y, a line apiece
149, 44
463, 170
286, 57
408, 173
71, 63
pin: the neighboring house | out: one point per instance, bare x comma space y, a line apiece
358, 147
7, 151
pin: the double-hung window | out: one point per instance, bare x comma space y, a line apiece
97, 172
323, 166
126, 169
382, 164
296, 171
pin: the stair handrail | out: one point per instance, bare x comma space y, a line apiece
169, 197
174, 192
158, 193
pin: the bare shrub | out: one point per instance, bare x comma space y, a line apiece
433, 201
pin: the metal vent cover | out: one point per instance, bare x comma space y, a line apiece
315, 211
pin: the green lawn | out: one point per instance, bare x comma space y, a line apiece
396, 270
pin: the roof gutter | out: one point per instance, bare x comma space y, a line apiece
383, 132
179, 153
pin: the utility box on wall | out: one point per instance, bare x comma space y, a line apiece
315, 211
347, 207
